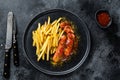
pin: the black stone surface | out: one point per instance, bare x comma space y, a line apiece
103, 63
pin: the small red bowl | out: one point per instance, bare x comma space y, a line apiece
100, 14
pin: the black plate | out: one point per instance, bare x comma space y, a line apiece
76, 61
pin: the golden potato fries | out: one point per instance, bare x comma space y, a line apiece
46, 38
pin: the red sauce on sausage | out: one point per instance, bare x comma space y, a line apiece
66, 43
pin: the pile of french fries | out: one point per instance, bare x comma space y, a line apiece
46, 38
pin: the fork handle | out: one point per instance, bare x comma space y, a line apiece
15, 54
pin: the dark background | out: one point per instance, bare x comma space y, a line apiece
103, 62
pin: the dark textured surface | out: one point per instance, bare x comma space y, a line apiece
103, 62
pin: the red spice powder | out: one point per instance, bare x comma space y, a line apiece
103, 18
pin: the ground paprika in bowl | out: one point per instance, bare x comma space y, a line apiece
103, 18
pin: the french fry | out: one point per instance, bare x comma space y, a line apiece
48, 52
61, 35
53, 22
48, 19
43, 49
46, 38
43, 57
59, 20
33, 38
